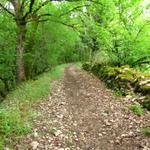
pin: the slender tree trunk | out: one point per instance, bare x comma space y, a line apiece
29, 50
20, 71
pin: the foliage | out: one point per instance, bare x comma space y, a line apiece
137, 109
47, 44
112, 35
120, 30
16, 111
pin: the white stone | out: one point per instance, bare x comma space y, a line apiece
35, 134
34, 145
58, 132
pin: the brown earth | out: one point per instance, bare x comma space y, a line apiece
82, 114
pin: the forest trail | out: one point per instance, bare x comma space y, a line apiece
82, 114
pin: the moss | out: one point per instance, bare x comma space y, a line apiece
96, 68
144, 86
124, 78
146, 104
110, 72
145, 89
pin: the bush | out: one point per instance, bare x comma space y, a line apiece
137, 109
16, 111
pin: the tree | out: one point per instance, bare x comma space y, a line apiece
23, 12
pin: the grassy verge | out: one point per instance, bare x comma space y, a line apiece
16, 110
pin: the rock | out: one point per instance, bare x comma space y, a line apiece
58, 132
104, 114
100, 134
6, 148
61, 149
35, 134
67, 148
147, 82
34, 145
60, 116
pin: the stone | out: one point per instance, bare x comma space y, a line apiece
34, 145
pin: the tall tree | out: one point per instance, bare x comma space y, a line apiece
22, 11
25, 11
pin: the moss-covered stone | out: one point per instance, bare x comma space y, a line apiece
146, 103
122, 78
145, 87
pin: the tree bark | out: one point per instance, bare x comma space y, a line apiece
20, 71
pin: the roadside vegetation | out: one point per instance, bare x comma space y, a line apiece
16, 112
111, 39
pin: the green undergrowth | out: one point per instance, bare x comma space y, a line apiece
137, 109
78, 65
16, 110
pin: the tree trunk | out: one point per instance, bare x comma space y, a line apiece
29, 50
20, 71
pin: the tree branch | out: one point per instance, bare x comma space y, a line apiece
140, 30
5, 9
31, 11
44, 15
75, 8
30, 8
40, 6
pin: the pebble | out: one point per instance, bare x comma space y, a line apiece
58, 132
34, 145
35, 134
100, 134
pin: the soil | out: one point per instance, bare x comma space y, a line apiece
80, 113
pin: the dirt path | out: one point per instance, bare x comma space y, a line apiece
81, 114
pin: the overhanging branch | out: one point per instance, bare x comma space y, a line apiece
31, 11
73, 9
5, 9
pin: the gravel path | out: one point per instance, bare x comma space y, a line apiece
82, 114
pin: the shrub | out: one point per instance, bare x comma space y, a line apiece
137, 109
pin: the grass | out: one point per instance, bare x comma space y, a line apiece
78, 65
137, 109
16, 111
146, 131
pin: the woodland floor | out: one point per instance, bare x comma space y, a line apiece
82, 114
